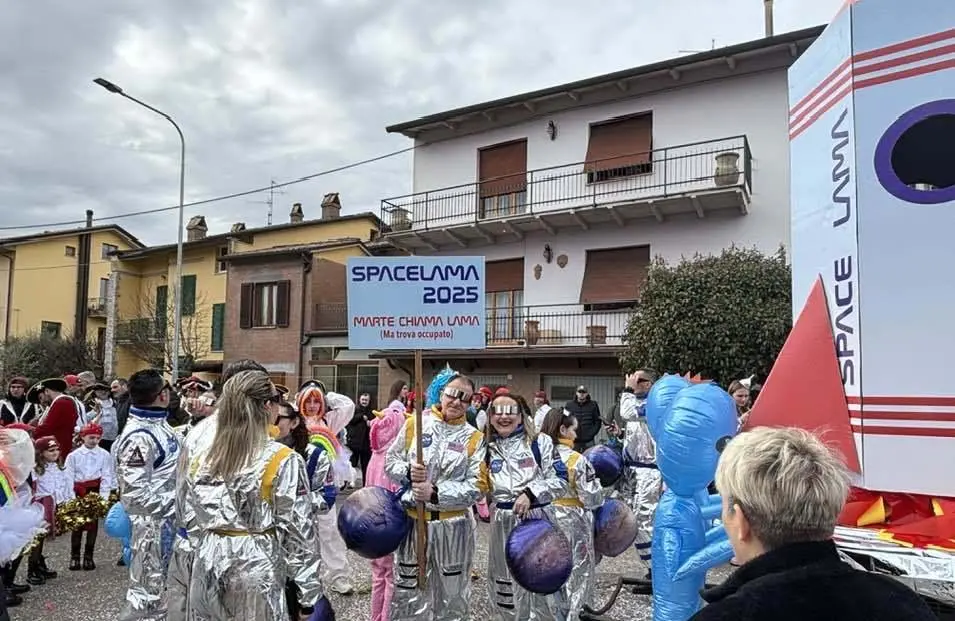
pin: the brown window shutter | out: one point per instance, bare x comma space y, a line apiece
614, 275
246, 299
503, 168
282, 303
504, 275
620, 143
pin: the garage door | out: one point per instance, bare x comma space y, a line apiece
561, 388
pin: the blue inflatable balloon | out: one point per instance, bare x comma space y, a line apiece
660, 397
615, 528
117, 524
323, 611
539, 556
607, 463
372, 522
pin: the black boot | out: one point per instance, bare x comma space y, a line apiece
10, 576
88, 564
75, 564
35, 575
13, 600
76, 542
45, 571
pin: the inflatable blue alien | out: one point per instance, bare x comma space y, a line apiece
691, 423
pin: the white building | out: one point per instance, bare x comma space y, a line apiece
570, 191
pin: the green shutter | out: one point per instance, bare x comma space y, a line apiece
162, 310
218, 326
189, 294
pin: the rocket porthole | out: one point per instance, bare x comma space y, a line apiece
915, 158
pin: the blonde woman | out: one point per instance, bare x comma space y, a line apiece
253, 514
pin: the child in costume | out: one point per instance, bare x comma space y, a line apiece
381, 434
90, 468
522, 471
326, 415
53, 488
573, 513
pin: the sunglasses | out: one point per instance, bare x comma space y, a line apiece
461, 395
506, 410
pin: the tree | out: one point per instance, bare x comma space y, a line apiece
38, 356
145, 332
725, 317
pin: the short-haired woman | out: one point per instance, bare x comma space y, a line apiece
783, 491
253, 513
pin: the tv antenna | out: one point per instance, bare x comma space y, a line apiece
270, 201
712, 47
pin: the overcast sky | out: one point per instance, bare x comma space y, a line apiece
279, 89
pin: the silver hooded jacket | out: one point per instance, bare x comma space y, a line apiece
453, 454
511, 466
253, 533
641, 484
146, 458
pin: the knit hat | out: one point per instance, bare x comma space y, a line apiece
92, 429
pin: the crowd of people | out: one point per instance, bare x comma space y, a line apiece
230, 494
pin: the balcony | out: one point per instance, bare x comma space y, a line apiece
96, 307
138, 331
329, 319
555, 325
698, 179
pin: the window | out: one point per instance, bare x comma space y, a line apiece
322, 354
107, 249
505, 315
620, 148
103, 290
71, 251
613, 278
162, 309
189, 295
101, 344
350, 380
218, 326
50, 329
221, 264
502, 172
264, 305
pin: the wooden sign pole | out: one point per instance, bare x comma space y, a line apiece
421, 544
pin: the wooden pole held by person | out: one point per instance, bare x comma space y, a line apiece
421, 532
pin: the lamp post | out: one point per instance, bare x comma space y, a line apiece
177, 308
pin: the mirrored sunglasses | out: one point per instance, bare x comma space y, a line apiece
453, 393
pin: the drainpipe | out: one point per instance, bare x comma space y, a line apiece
11, 260
83, 278
768, 16
303, 340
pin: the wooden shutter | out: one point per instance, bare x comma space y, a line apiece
504, 275
614, 275
162, 309
503, 168
246, 300
282, 303
189, 294
620, 143
218, 326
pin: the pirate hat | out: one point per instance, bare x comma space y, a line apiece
313, 383
54, 383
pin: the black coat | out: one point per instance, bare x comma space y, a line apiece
588, 419
356, 432
809, 582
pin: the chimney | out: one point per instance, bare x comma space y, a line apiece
238, 227
768, 16
196, 229
296, 215
331, 206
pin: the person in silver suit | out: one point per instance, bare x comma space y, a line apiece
453, 452
522, 471
146, 455
640, 485
573, 513
197, 441
253, 514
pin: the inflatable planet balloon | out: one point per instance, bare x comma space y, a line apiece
615, 528
607, 463
539, 556
372, 522
323, 611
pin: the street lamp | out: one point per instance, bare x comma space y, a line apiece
177, 309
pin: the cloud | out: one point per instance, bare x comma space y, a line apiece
279, 89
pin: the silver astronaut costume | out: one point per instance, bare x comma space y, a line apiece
641, 484
453, 454
199, 439
511, 468
146, 458
573, 513
251, 535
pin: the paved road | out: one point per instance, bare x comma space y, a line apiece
98, 595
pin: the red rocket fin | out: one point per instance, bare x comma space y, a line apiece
805, 387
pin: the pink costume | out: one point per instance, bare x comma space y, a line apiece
383, 430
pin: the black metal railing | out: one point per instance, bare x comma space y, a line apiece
96, 307
330, 318
665, 172
140, 331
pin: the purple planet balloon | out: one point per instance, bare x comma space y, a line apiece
615, 528
323, 611
539, 556
372, 522
607, 463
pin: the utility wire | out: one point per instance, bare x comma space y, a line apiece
225, 197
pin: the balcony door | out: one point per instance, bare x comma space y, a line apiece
505, 301
502, 172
